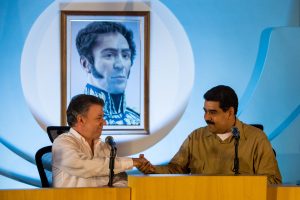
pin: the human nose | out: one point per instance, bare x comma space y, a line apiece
119, 62
207, 116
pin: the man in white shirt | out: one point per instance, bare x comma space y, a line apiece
79, 157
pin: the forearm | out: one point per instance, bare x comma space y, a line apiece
171, 168
69, 159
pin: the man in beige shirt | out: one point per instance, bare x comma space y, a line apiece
211, 150
79, 157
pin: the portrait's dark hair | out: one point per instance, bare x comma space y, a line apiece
225, 95
80, 104
86, 38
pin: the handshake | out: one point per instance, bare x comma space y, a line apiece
143, 165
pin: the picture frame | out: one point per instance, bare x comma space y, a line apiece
85, 73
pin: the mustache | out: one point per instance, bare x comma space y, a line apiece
209, 122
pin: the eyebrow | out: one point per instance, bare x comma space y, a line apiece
114, 50
209, 110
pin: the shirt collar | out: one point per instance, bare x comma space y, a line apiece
76, 134
80, 137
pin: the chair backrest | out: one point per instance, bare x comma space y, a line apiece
43, 160
260, 126
54, 131
43, 157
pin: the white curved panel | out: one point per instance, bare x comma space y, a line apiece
171, 75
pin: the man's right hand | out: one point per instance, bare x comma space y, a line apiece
143, 165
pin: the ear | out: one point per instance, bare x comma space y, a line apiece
85, 64
231, 112
80, 120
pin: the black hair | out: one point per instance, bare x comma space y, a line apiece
225, 95
87, 36
80, 104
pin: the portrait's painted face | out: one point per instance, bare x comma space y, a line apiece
112, 62
217, 120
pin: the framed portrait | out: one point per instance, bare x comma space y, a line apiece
106, 54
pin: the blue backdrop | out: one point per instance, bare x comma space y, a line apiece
253, 46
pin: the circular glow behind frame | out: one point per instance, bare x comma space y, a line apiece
171, 69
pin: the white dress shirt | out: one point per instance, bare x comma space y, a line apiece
74, 165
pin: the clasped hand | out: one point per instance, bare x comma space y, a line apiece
143, 164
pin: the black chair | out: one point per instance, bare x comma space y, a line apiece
43, 157
43, 160
54, 131
260, 126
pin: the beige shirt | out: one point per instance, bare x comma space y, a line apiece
205, 153
74, 165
